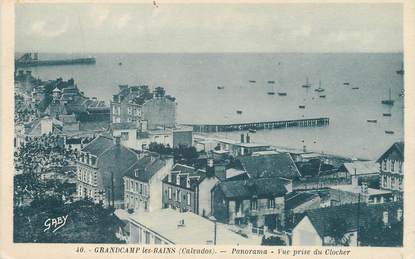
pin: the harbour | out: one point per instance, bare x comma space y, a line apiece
32, 60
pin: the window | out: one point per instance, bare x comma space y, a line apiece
93, 160
254, 204
178, 198
384, 165
136, 187
141, 188
147, 237
188, 199
124, 136
392, 166
169, 193
157, 241
271, 204
129, 110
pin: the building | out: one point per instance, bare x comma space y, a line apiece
170, 227
259, 202
392, 169
366, 171
160, 111
180, 188
344, 194
126, 105
100, 170
318, 226
145, 109
242, 148
272, 166
142, 183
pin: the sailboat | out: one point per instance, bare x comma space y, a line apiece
307, 84
319, 89
388, 101
400, 71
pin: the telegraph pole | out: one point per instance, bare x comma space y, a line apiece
358, 219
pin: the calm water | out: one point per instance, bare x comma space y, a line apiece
193, 80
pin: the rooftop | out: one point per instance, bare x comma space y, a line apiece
269, 187
322, 218
276, 165
295, 199
145, 168
195, 231
99, 145
358, 189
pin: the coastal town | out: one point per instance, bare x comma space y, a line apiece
125, 171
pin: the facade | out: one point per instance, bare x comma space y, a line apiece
315, 228
259, 202
179, 188
170, 227
100, 170
160, 112
391, 165
142, 183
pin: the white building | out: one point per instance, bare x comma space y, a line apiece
168, 226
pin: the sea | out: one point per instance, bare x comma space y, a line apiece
194, 79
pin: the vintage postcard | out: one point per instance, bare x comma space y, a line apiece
223, 129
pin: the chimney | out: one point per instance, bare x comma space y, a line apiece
181, 223
242, 138
169, 178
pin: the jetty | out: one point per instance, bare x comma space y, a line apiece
207, 128
32, 60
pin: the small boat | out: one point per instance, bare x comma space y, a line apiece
221, 87
282, 94
355, 88
120, 63
271, 93
372, 121
400, 71
346, 83
322, 96
388, 101
252, 81
301, 106
319, 89
239, 112
389, 132
307, 84
387, 115
252, 130
402, 93
271, 82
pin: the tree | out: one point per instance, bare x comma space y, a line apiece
87, 222
378, 234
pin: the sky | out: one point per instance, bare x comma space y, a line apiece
195, 28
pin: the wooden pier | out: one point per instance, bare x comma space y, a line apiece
315, 122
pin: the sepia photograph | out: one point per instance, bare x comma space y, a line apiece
243, 124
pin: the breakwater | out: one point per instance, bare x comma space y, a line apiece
207, 128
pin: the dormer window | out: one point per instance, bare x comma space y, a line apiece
385, 218
254, 204
136, 173
399, 215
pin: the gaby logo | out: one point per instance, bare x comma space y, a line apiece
55, 223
